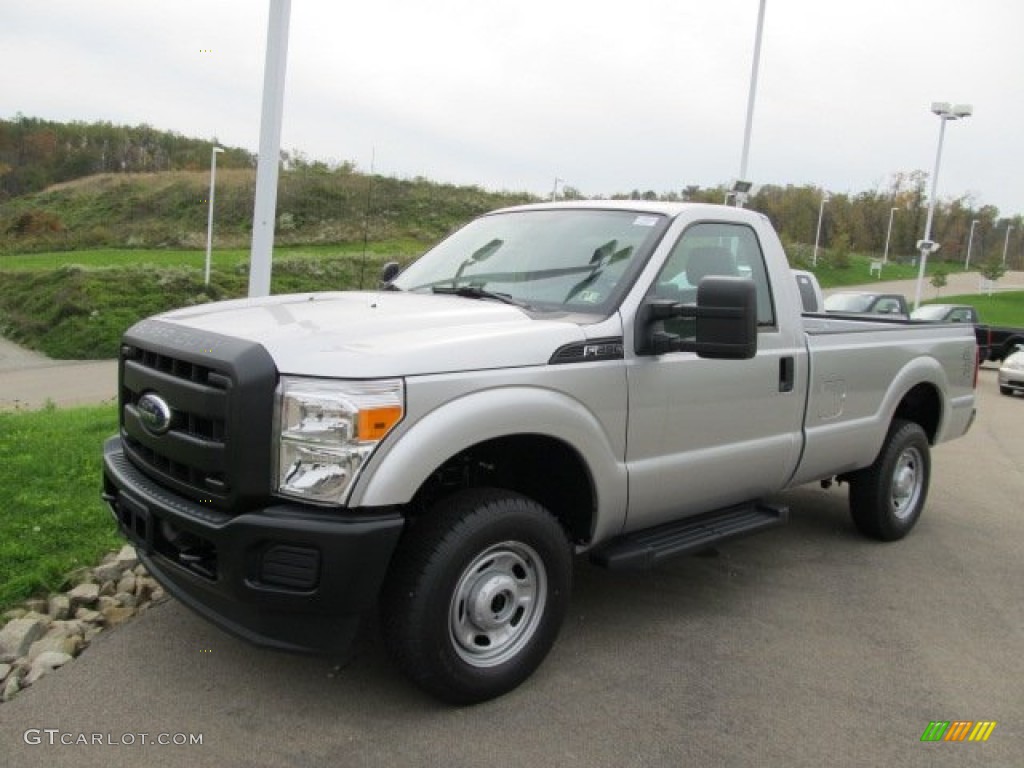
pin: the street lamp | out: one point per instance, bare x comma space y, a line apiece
1006, 242
209, 219
970, 241
945, 112
554, 189
740, 196
817, 236
888, 235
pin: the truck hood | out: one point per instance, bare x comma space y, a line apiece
376, 334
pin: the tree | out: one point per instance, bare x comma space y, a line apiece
992, 268
939, 280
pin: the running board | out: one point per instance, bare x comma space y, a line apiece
649, 547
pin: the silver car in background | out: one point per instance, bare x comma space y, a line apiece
1011, 373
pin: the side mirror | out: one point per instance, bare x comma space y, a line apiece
726, 322
389, 272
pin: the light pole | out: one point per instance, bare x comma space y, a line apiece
945, 113
1006, 242
209, 219
741, 194
970, 241
554, 189
888, 235
817, 236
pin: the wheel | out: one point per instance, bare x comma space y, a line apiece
477, 593
886, 498
1005, 391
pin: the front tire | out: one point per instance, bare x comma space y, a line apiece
477, 594
886, 499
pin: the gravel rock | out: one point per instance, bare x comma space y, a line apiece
109, 571
84, 595
18, 635
46, 663
44, 634
127, 559
11, 685
59, 607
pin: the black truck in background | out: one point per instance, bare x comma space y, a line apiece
994, 342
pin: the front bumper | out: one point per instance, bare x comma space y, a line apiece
1011, 379
286, 576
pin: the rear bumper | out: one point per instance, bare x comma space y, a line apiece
286, 576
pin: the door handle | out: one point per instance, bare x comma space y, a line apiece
787, 374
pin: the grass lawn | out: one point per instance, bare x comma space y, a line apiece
997, 309
52, 520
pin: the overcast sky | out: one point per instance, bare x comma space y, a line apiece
609, 96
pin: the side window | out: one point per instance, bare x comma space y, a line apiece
713, 249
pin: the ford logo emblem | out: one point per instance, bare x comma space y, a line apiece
154, 413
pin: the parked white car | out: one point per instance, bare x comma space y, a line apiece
1011, 373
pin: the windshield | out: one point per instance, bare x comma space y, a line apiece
571, 259
848, 302
930, 312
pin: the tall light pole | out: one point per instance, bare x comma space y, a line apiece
741, 194
269, 159
888, 235
970, 241
554, 189
945, 113
817, 236
1006, 242
209, 218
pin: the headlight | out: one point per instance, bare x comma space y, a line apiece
327, 429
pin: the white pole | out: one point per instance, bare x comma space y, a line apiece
209, 217
817, 236
754, 67
265, 207
1006, 242
888, 235
970, 241
925, 249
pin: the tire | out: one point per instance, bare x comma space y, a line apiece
886, 499
477, 593
1005, 391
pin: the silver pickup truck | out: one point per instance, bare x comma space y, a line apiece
628, 380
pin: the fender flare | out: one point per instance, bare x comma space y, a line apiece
407, 458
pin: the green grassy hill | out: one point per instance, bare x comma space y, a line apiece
169, 210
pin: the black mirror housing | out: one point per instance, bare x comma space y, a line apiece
726, 321
726, 318
389, 272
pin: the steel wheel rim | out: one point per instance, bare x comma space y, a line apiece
907, 483
497, 604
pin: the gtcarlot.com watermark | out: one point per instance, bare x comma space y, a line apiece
57, 737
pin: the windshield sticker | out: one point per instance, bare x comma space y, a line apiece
589, 297
645, 221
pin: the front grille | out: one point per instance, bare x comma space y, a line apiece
215, 446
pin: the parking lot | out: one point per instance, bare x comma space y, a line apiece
804, 646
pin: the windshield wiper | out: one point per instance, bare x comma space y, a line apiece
476, 292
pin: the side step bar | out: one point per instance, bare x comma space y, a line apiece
648, 548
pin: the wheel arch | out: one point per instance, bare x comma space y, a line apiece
540, 443
922, 404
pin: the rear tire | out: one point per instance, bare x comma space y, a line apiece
886, 499
477, 594
1005, 391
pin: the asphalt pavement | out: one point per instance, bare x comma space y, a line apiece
29, 380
